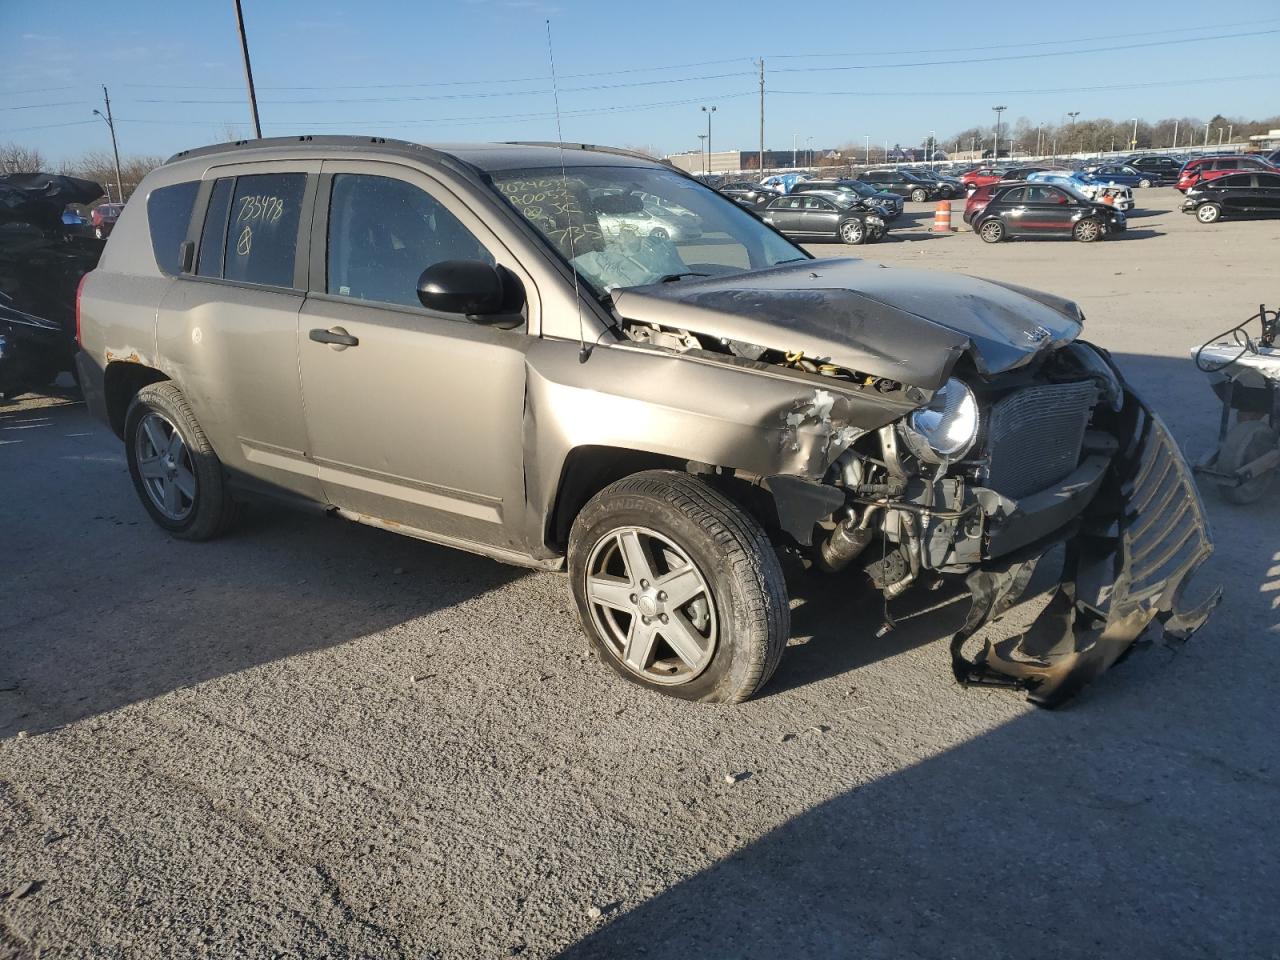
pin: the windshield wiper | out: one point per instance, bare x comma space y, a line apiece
792, 260
680, 276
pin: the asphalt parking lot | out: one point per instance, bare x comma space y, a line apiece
313, 739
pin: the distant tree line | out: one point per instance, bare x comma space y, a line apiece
1098, 134
98, 166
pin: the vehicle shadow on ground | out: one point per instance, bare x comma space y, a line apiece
168, 614
1143, 233
1133, 822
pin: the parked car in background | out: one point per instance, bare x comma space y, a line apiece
442, 343
888, 205
783, 182
1020, 173
1044, 210
831, 216
1256, 193
1161, 169
981, 177
1209, 168
903, 183
1120, 197
624, 213
1122, 174
103, 218
747, 192
978, 199
949, 186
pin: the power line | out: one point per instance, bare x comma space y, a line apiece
456, 96
1042, 90
1010, 46
23, 93
47, 126
38, 106
1026, 56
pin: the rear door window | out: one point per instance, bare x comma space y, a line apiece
169, 216
262, 233
213, 235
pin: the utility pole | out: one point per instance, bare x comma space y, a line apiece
762, 116
248, 71
709, 111
115, 149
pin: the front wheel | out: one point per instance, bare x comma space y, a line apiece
1144, 183
1247, 441
658, 233
678, 588
992, 231
919, 196
853, 232
174, 469
1208, 213
1087, 231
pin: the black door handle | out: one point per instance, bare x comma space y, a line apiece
335, 336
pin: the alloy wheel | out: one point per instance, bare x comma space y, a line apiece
1208, 213
1087, 231
651, 605
164, 464
851, 231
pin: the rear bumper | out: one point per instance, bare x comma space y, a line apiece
1131, 548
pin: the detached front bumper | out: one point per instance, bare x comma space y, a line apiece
1130, 553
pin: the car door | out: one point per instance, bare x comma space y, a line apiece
1011, 207
1235, 192
819, 217
1045, 210
416, 419
1268, 192
227, 329
785, 214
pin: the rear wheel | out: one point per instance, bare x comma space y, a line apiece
919, 196
174, 469
1208, 213
1087, 231
659, 233
853, 232
992, 231
1247, 441
1144, 183
678, 589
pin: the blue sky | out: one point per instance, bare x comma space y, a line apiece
630, 73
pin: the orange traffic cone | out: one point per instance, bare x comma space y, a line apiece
1109, 199
942, 217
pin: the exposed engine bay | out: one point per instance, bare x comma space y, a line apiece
982, 479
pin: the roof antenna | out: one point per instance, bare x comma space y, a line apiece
583, 351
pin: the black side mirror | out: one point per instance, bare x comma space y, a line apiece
482, 292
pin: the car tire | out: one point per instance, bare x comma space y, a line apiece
180, 482
992, 231
1144, 183
727, 638
1246, 442
919, 196
1208, 213
853, 232
1087, 230
658, 233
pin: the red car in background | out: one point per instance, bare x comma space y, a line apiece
979, 197
103, 217
982, 177
1202, 169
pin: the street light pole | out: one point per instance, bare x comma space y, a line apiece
1039, 127
709, 111
248, 71
1230, 130
999, 110
702, 149
1073, 114
933, 146
1175, 136
793, 148
1133, 142
115, 149
1219, 137
1206, 134
868, 150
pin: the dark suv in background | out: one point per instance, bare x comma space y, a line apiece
903, 183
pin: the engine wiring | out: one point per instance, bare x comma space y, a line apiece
1239, 334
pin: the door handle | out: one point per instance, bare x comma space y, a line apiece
336, 337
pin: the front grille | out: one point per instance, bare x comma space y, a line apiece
1035, 434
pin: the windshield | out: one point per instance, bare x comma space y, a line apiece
627, 226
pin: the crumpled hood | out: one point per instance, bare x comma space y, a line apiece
904, 324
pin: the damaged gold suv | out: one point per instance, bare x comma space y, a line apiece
578, 358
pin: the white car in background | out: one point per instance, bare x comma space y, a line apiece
1087, 187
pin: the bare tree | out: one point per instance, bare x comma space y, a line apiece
15, 158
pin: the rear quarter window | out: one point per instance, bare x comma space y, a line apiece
169, 216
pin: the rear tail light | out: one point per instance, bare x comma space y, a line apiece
79, 292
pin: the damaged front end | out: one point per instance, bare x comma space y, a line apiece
1063, 455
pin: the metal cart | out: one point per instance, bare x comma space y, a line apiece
1245, 374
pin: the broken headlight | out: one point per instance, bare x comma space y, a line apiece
947, 428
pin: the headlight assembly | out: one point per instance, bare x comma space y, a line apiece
947, 428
